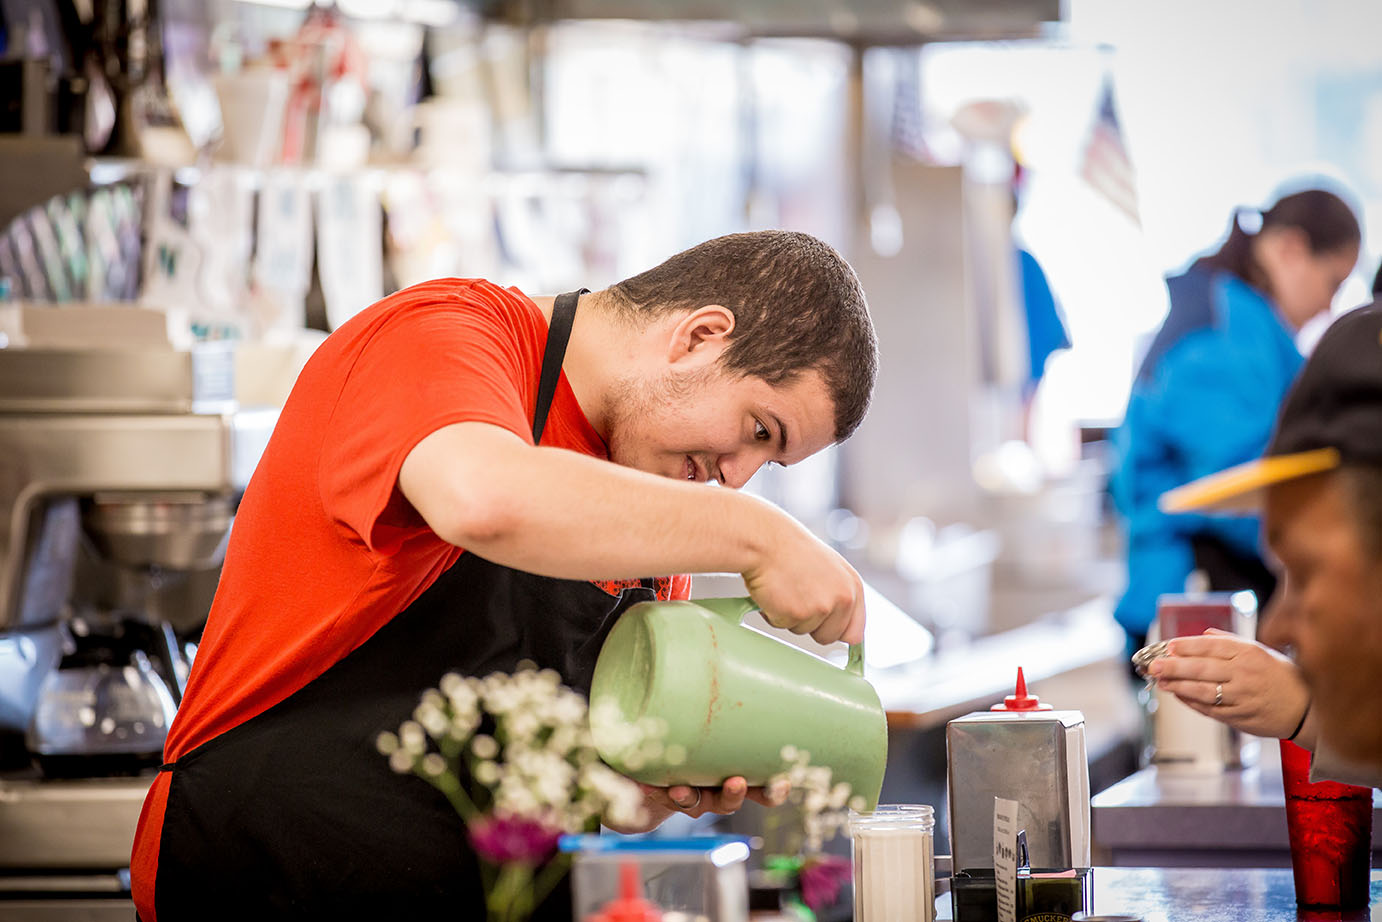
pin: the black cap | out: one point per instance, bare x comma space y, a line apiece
1331, 416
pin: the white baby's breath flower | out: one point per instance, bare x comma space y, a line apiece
626, 805
816, 800
540, 760
411, 737
856, 804
522, 725
462, 725
675, 754
462, 697
568, 710
487, 773
432, 698
517, 800
563, 741
500, 700
552, 787
430, 716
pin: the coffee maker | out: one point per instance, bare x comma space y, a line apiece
120, 469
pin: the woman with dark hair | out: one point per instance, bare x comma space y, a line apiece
1209, 387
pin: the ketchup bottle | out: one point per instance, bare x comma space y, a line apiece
1019, 700
629, 906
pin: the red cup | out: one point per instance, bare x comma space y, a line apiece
1330, 826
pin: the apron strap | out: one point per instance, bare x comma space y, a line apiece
558, 334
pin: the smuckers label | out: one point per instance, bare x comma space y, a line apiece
1047, 917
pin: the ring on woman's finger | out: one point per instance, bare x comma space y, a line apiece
695, 803
1219, 694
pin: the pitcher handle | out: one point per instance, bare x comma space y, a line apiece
735, 608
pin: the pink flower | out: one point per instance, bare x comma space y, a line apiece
821, 878
508, 839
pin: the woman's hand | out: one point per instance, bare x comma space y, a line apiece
1259, 691
660, 803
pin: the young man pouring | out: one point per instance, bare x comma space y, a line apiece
437, 497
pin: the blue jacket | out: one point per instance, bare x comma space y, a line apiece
1205, 398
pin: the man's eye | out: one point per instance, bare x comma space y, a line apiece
760, 432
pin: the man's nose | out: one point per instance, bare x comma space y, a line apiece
738, 469
732, 474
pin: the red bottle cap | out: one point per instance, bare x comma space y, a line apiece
630, 906
1019, 700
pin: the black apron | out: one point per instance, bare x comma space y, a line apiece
295, 814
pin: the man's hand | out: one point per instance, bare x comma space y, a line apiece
1260, 691
804, 586
660, 803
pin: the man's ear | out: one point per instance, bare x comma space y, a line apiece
701, 335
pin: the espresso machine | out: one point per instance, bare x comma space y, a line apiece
120, 470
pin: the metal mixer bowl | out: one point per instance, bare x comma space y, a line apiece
179, 531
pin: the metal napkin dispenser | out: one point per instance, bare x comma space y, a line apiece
1033, 755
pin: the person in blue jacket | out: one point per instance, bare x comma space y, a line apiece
1208, 390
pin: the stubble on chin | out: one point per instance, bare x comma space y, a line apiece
628, 403
638, 408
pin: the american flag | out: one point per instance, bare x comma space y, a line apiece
1106, 165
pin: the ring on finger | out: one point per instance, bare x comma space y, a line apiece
695, 803
1219, 694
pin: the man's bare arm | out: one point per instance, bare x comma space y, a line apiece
562, 514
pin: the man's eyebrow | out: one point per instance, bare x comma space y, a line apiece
781, 434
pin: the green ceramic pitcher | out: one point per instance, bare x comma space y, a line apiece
731, 698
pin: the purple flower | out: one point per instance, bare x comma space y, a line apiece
821, 878
508, 839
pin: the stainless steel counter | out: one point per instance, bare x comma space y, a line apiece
76, 825
1062, 655
1160, 818
1206, 895
65, 846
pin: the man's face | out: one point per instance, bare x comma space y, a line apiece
1329, 608
702, 424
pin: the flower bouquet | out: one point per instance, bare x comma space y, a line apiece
795, 834
513, 755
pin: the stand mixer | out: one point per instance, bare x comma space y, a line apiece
120, 468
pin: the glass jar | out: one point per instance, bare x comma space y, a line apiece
700, 877
893, 848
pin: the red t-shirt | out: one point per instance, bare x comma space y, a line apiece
325, 549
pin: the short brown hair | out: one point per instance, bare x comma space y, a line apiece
797, 306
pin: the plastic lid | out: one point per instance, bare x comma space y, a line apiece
630, 905
1019, 700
